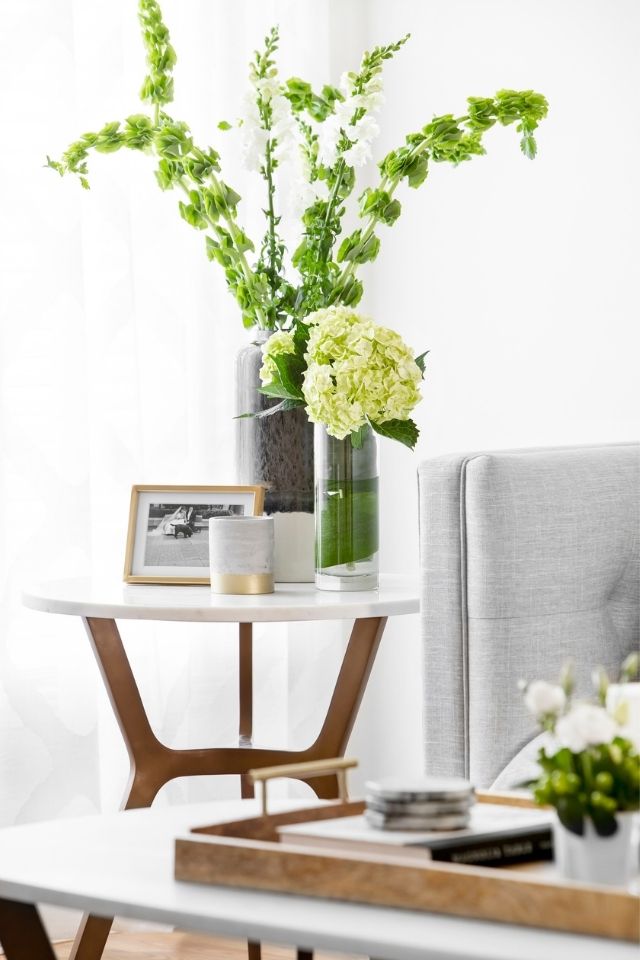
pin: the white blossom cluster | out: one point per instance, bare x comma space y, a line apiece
361, 133
584, 724
289, 146
289, 143
284, 129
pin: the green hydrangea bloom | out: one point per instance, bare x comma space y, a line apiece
278, 343
357, 371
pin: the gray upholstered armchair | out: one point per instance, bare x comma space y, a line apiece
528, 558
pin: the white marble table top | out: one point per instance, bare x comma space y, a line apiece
122, 864
113, 599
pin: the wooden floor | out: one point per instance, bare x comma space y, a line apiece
184, 946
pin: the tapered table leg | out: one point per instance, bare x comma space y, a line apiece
245, 701
245, 727
22, 934
347, 696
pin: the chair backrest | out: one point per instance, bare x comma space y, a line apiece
528, 558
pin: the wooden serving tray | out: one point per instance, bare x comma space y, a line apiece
246, 853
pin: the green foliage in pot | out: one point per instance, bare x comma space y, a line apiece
593, 769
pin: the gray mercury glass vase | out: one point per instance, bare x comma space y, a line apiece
277, 451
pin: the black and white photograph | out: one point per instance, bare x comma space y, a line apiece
180, 536
169, 529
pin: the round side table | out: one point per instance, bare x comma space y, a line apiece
101, 603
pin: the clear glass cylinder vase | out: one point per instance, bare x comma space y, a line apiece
346, 512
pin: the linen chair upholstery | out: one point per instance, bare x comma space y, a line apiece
527, 558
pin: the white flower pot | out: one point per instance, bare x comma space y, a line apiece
595, 859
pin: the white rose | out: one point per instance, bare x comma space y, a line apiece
544, 698
584, 726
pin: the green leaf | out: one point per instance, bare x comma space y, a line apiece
224, 125
55, 165
275, 389
281, 407
405, 431
357, 437
291, 369
348, 246
189, 213
417, 171
571, 814
420, 361
605, 823
352, 248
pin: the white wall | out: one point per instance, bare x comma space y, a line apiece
521, 277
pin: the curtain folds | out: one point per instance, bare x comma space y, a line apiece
116, 367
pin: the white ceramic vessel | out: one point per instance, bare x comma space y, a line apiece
241, 554
594, 859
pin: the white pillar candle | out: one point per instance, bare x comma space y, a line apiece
623, 702
241, 554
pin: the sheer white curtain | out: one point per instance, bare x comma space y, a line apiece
116, 367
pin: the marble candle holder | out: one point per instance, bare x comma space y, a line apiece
241, 554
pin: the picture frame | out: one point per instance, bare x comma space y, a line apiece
168, 533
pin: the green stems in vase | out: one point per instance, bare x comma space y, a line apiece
346, 506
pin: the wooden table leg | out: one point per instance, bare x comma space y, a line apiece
245, 699
145, 751
245, 727
347, 696
22, 934
153, 764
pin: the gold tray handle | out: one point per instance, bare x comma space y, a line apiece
304, 771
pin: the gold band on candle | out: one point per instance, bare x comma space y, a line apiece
240, 583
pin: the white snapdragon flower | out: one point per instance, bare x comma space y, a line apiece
359, 154
328, 137
346, 84
304, 194
543, 699
254, 138
344, 111
284, 128
372, 98
268, 88
254, 145
361, 132
584, 726
366, 128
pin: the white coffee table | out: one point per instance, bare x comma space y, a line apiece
123, 864
100, 604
